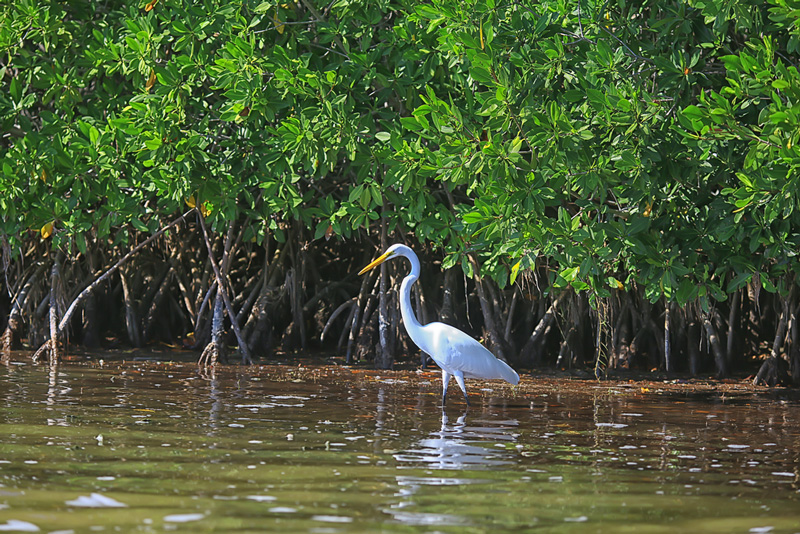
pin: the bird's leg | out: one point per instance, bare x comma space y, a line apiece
460, 379
445, 381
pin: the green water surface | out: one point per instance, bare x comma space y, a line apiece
155, 448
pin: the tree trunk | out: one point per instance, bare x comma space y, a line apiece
601, 356
620, 337
693, 346
716, 347
447, 314
489, 322
347, 326
294, 286
668, 366
794, 346
732, 315
90, 331
152, 316
528, 354
565, 352
51, 348
510, 318
204, 289
359, 317
131, 315
384, 357
770, 372
422, 314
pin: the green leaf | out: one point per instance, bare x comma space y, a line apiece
482, 75
264, 7
94, 134
687, 291
153, 143
739, 281
410, 123
569, 273
139, 225
692, 112
473, 217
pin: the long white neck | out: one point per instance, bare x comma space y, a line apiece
409, 319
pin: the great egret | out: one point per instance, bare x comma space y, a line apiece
456, 353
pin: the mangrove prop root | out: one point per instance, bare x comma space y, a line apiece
84, 294
216, 347
346, 305
19, 300
732, 315
100, 279
668, 365
363, 294
770, 372
152, 316
716, 347
131, 315
528, 352
55, 279
315, 287
223, 293
42, 352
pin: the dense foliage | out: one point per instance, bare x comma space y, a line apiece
614, 180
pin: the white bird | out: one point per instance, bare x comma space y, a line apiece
456, 353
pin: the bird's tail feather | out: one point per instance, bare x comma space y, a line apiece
508, 374
498, 370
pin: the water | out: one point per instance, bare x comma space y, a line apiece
149, 447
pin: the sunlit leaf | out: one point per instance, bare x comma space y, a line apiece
47, 230
515, 271
151, 81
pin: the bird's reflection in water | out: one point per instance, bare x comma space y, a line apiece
459, 445
456, 446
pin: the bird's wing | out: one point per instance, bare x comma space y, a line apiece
453, 350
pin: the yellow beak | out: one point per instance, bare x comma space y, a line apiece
377, 261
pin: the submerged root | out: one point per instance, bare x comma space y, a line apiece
49, 351
210, 355
8, 339
773, 372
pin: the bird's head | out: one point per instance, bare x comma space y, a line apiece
391, 252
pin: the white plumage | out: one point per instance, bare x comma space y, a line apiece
456, 353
